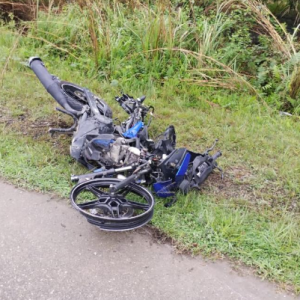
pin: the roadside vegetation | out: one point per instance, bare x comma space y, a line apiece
213, 69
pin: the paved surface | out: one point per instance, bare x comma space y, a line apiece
49, 251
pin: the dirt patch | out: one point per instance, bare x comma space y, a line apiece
159, 237
240, 184
39, 129
25, 10
234, 184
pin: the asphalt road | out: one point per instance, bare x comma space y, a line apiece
48, 251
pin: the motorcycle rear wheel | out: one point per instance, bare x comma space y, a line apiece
76, 93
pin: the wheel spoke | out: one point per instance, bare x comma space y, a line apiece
88, 205
137, 205
115, 211
98, 193
95, 204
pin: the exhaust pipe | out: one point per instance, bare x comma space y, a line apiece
52, 85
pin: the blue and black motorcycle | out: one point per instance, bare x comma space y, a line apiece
121, 157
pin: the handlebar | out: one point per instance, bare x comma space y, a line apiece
141, 99
216, 155
124, 98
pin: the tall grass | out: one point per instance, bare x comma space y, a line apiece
101, 39
117, 41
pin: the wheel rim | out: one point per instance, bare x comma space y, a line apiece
74, 92
130, 208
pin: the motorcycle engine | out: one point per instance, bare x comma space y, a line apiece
110, 151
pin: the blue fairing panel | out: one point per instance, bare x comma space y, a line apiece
163, 188
182, 169
134, 130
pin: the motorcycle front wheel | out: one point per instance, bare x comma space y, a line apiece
127, 209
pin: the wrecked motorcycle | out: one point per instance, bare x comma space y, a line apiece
122, 156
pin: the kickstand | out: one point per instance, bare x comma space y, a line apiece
222, 173
170, 203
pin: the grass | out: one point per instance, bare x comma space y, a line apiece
226, 228
252, 215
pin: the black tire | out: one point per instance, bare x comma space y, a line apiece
77, 98
129, 208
